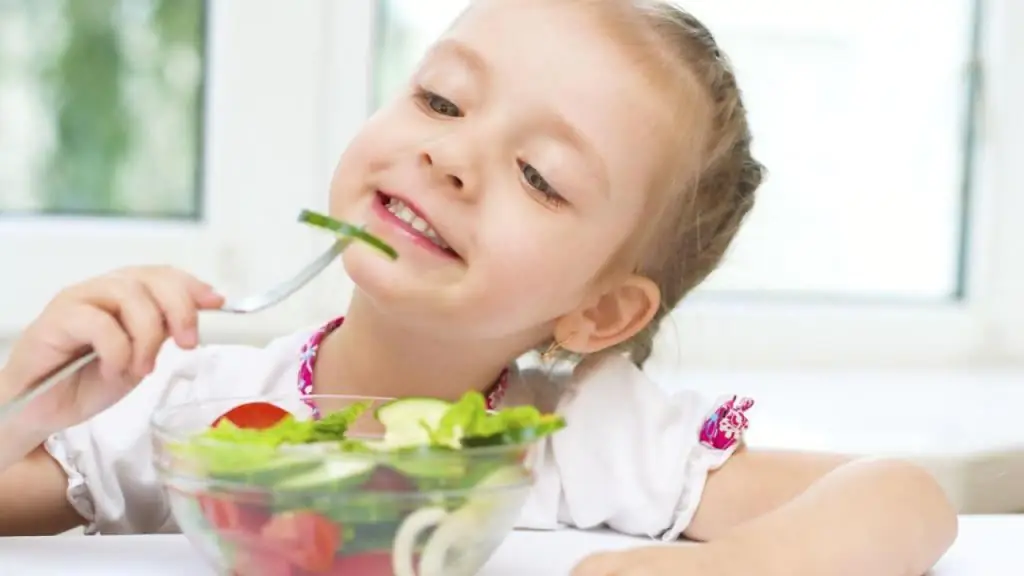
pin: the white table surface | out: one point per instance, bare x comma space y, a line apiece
987, 546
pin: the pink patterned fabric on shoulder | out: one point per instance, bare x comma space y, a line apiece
307, 361
725, 427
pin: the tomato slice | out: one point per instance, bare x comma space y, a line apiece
220, 513
226, 515
310, 538
252, 561
385, 479
254, 415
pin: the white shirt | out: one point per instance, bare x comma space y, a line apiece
631, 457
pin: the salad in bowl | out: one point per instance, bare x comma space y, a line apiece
340, 485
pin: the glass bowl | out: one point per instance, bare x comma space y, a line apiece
302, 510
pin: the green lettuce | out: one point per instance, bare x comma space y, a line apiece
330, 428
469, 423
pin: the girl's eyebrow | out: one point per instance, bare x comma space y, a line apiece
462, 52
564, 131
555, 123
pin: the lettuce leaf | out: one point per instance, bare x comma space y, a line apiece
330, 428
469, 423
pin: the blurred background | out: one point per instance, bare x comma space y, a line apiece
872, 304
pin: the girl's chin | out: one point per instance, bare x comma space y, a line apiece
395, 282
369, 270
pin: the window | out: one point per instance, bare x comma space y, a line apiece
102, 102
184, 132
867, 153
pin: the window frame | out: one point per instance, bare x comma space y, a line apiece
981, 329
285, 170
332, 77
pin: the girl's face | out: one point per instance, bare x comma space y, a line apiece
507, 176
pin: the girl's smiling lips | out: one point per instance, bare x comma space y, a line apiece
409, 220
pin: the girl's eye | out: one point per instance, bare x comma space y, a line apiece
537, 182
439, 104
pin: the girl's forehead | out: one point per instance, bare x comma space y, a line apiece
555, 59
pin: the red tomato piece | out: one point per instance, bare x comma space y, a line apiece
226, 515
254, 415
254, 562
309, 538
254, 554
386, 479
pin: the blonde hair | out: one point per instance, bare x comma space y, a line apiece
702, 212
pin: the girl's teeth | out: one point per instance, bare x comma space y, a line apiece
405, 214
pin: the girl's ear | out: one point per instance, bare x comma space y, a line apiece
610, 318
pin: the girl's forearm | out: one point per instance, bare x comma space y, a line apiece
33, 498
32, 484
884, 518
14, 449
17, 438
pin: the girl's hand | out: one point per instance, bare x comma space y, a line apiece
669, 560
125, 316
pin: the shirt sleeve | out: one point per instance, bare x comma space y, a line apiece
112, 481
632, 457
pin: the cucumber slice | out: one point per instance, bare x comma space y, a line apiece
409, 422
403, 551
437, 464
419, 462
268, 473
330, 475
397, 412
458, 534
346, 230
500, 478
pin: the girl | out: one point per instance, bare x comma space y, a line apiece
559, 174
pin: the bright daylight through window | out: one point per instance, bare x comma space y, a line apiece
161, 132
102, 114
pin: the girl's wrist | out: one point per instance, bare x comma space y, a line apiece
18, 435
16, 445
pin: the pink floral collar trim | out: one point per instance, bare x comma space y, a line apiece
308, 357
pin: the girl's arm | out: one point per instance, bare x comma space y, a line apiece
33, 486
797, 514
33, 498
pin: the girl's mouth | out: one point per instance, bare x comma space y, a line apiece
413, 222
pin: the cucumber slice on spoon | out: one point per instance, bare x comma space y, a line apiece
346, 230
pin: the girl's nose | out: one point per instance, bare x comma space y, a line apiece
452, 163
443, 173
